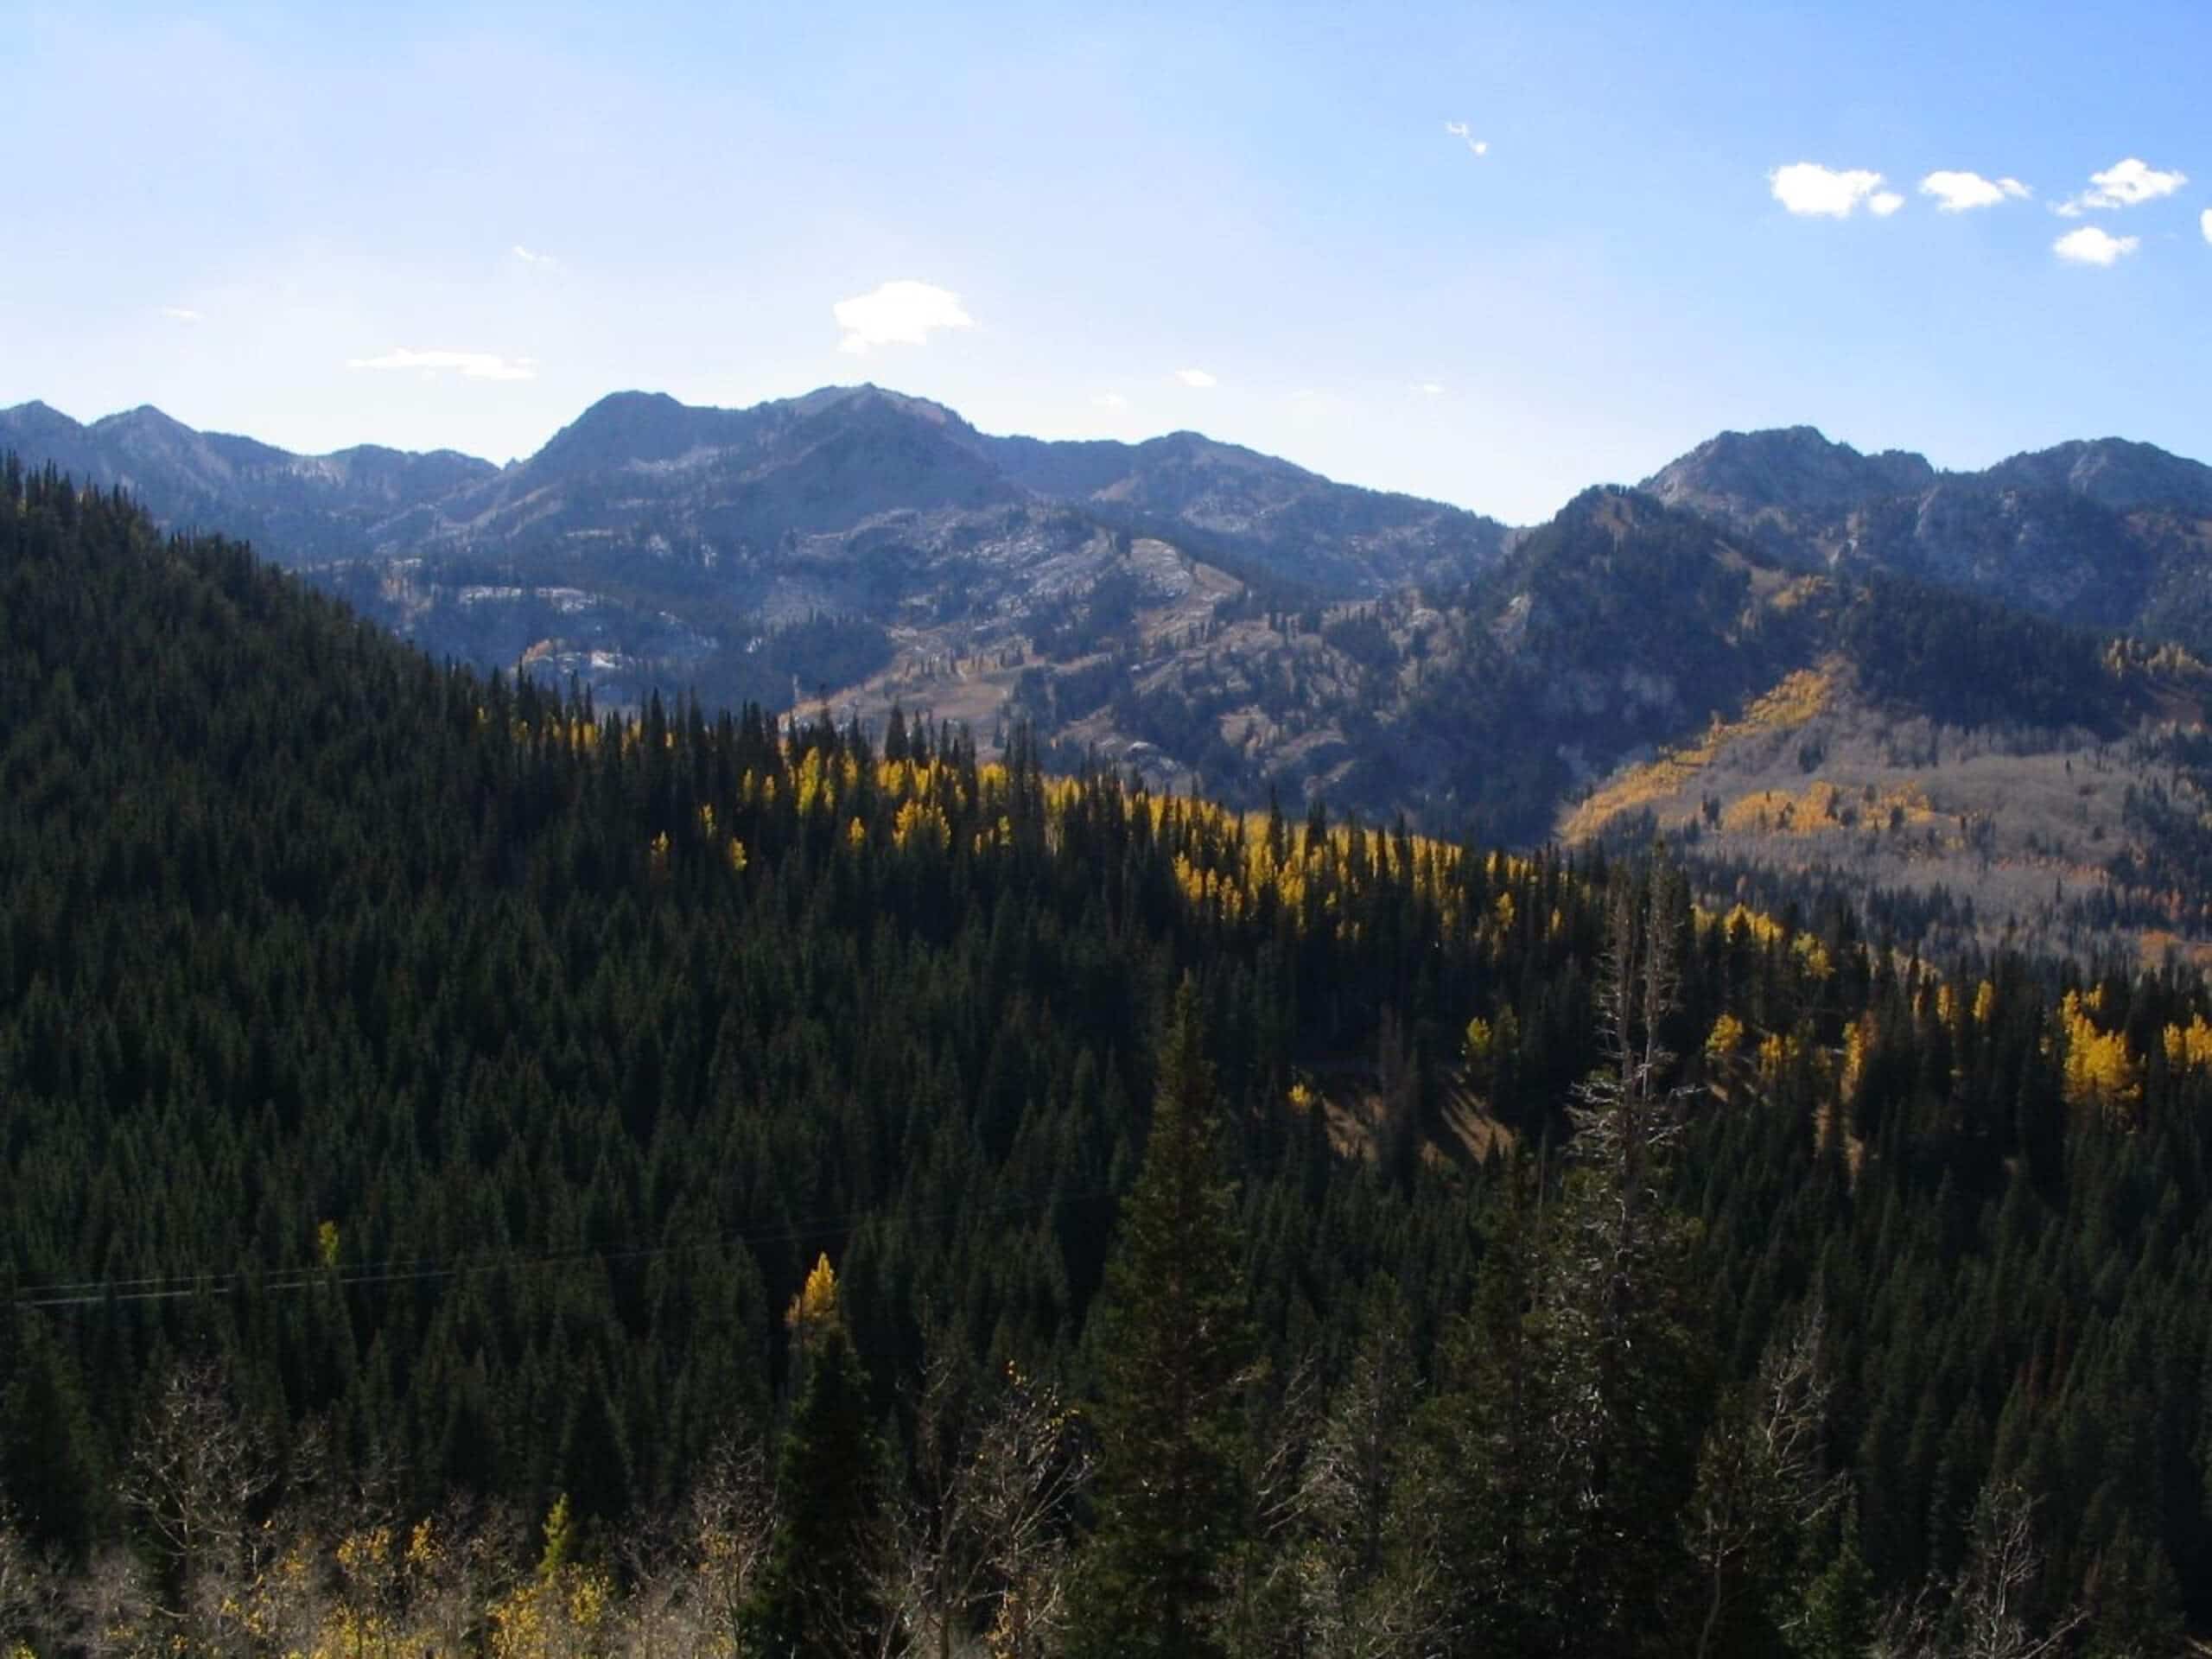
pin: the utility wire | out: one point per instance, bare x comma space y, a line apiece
90, 1292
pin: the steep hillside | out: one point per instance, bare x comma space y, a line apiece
1214, 618
1976, 775
1781, 474
1632, 670
1251, 511
1618, 626
2106, 534
771, 553
426, 1098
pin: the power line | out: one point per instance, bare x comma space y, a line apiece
184, 1287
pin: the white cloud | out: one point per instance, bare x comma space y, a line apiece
1957, 192
898, 313
1464, 134
1110, 400
2205, 223
1810, 190
470, 365
1197, 378
2091, 246
180, 313
1428, 388
530, 258
2123, 184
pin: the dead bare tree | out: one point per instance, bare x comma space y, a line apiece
1996, 1585
458, 1564
982, 1540
657, 1619
29, 1586
195, 1472
1762, 1479
731, 1525
110, 1609
1272, 1593
195, 1468
1984, 1612
1616, 1302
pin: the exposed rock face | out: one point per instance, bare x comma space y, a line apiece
2105, 533
771, 551
1742, 474
2113, 473
1324, 536
641, 472
1196, 608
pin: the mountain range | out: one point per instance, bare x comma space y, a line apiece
2106, 533
1205, 613
821, 503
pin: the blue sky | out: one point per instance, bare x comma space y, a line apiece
452, 226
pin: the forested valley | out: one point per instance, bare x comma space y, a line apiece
485, 1175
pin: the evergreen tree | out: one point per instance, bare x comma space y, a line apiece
1173, 1343
820, 1595
45, 1441
1481, 1531
1838, 1618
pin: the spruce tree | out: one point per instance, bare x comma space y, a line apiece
47, 1460
820, 1595
1838, 1618
1173, 1341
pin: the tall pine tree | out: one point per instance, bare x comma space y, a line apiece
1174, 1342
820, 1594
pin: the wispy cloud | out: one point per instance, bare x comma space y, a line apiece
1110, 400
898, 313
180, 313
470, 365
1428, 388
1464, 134
1812, 191
531, 256
1197, 378
2123, 184
2204, 223
1959, 192
2094, 245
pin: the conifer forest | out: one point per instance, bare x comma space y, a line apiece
482, 1173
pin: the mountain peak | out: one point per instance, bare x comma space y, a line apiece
145, 422
144, 414
626, 427
37, 427
868, 392
1738, 475
2116, 472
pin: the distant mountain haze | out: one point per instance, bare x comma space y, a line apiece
779, 552
1770, 614
825, 461
1186, 606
